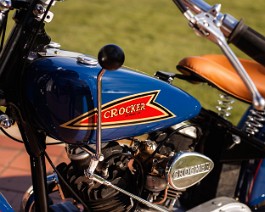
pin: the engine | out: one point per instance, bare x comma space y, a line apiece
156, 167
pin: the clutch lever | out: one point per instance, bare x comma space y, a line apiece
208, 24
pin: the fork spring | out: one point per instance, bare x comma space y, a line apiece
224, 106
254, 121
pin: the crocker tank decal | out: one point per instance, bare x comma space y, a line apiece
63, 96
131, 110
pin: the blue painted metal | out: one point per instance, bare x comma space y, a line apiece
59, 89
258, 192
4, 205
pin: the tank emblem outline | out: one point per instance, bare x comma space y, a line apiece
140, 108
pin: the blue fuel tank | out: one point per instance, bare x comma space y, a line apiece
62, 96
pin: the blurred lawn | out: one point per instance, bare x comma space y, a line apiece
153, 34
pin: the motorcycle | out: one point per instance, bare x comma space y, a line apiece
131, 149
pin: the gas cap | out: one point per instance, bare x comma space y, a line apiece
87, 61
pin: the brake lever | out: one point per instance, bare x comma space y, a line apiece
207, 24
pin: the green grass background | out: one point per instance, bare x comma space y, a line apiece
153, 34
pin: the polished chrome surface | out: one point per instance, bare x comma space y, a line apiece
5, 121
224, 106
54, 45
255, 121
221, 204
52, 50
40, 10
76, 153
87, 61
99, 155
198, 6
5, 5
236, 140
186, 169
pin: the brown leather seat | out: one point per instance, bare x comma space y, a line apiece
217, 70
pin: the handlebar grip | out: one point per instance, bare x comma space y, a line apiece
249, 41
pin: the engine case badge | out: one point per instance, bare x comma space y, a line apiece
185, 169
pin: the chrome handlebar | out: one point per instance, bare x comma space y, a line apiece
198, 6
